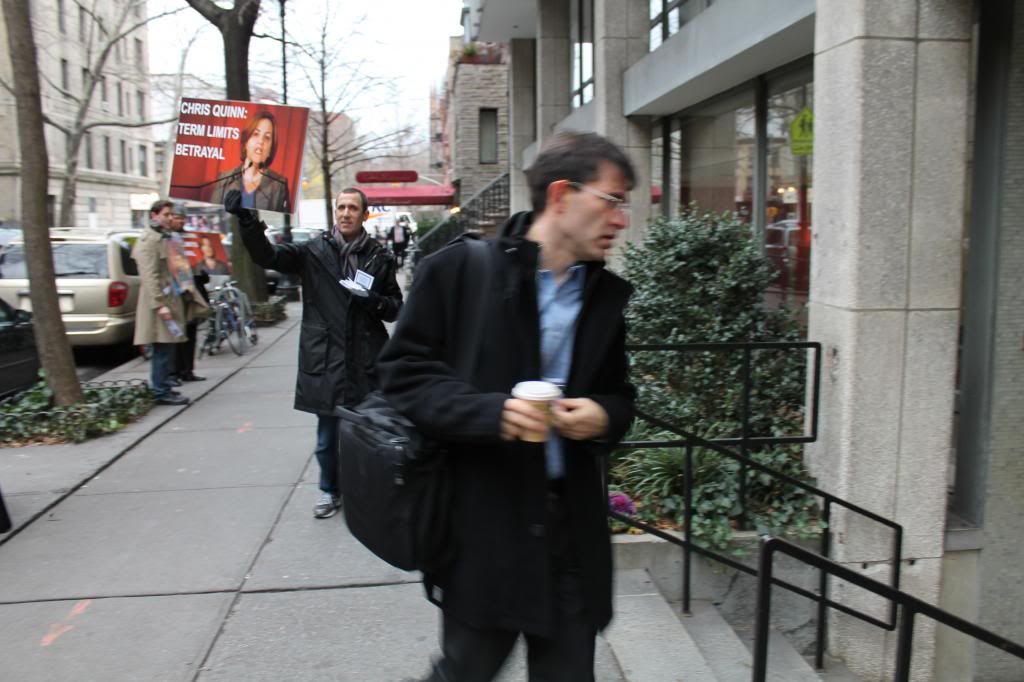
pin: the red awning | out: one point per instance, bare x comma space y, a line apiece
410, 195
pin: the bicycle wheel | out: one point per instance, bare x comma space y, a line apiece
237, 337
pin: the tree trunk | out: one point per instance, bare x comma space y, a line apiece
51, 340
69, 191
325, 169
237, 32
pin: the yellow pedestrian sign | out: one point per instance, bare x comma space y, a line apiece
801, 133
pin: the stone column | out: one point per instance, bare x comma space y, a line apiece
553, 65
522, 110
620, 40
891, 100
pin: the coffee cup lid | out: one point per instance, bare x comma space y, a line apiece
536, 390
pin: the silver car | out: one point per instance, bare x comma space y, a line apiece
97, 283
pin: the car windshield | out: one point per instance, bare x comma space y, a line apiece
87, 261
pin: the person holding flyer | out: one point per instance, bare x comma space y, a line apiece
259, 187
349, 291
160, 314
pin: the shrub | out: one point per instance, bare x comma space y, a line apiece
107, 406
700, 278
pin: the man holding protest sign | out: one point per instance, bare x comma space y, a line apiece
348, 291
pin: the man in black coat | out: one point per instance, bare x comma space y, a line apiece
530, 541
342, 326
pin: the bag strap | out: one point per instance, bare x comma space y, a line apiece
477, 277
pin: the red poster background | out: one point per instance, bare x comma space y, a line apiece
195, 178
194, 253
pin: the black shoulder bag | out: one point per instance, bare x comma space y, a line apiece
394, 481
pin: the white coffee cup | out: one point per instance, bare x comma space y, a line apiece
540, 394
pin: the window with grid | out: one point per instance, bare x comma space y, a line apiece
143, 167
668, 16
140, 105
61, 25
87, 143
64, 84
582, 27
488, 136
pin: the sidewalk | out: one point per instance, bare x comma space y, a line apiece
184, 548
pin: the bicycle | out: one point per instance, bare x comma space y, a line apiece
231, 321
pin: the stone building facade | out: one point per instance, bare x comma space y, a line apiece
117, 177
475, 123
885, 140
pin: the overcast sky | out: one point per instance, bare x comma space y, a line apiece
406, 40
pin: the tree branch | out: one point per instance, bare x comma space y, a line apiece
120, 124
210, 11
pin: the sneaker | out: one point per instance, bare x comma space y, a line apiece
172, 399
173, 381
326, 505
191, 376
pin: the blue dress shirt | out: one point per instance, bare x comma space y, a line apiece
559, 306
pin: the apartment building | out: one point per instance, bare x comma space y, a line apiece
117, 180
886, 139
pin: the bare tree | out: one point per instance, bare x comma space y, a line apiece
178, 91
51, 340
236, 29
338, 88
103, 35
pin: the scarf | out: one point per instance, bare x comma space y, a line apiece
349, 252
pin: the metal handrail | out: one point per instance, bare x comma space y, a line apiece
910, 607
689, 441
492, 199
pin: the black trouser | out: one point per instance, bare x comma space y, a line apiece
399, 250
185, 353
474, 655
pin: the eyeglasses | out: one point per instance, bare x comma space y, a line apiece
613, 201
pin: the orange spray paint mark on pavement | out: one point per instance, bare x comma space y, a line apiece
58, 629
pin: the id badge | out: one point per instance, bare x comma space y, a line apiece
364, 279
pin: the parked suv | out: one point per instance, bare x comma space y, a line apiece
97, 282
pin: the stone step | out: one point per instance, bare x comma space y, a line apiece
729, 656
647, 638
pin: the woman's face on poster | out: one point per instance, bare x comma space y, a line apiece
206, 248
257, 147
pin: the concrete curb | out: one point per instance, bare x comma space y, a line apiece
138, 430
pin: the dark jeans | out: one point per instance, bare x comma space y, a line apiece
185, 353
161, 366
399, 250
327, 453
475, 655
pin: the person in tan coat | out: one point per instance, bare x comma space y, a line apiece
161, 312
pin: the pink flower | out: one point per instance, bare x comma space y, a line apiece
620, 502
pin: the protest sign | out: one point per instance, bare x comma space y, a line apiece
255, 148
206, 253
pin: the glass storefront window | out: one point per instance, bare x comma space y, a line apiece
789, 193
657, 168
717, 156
